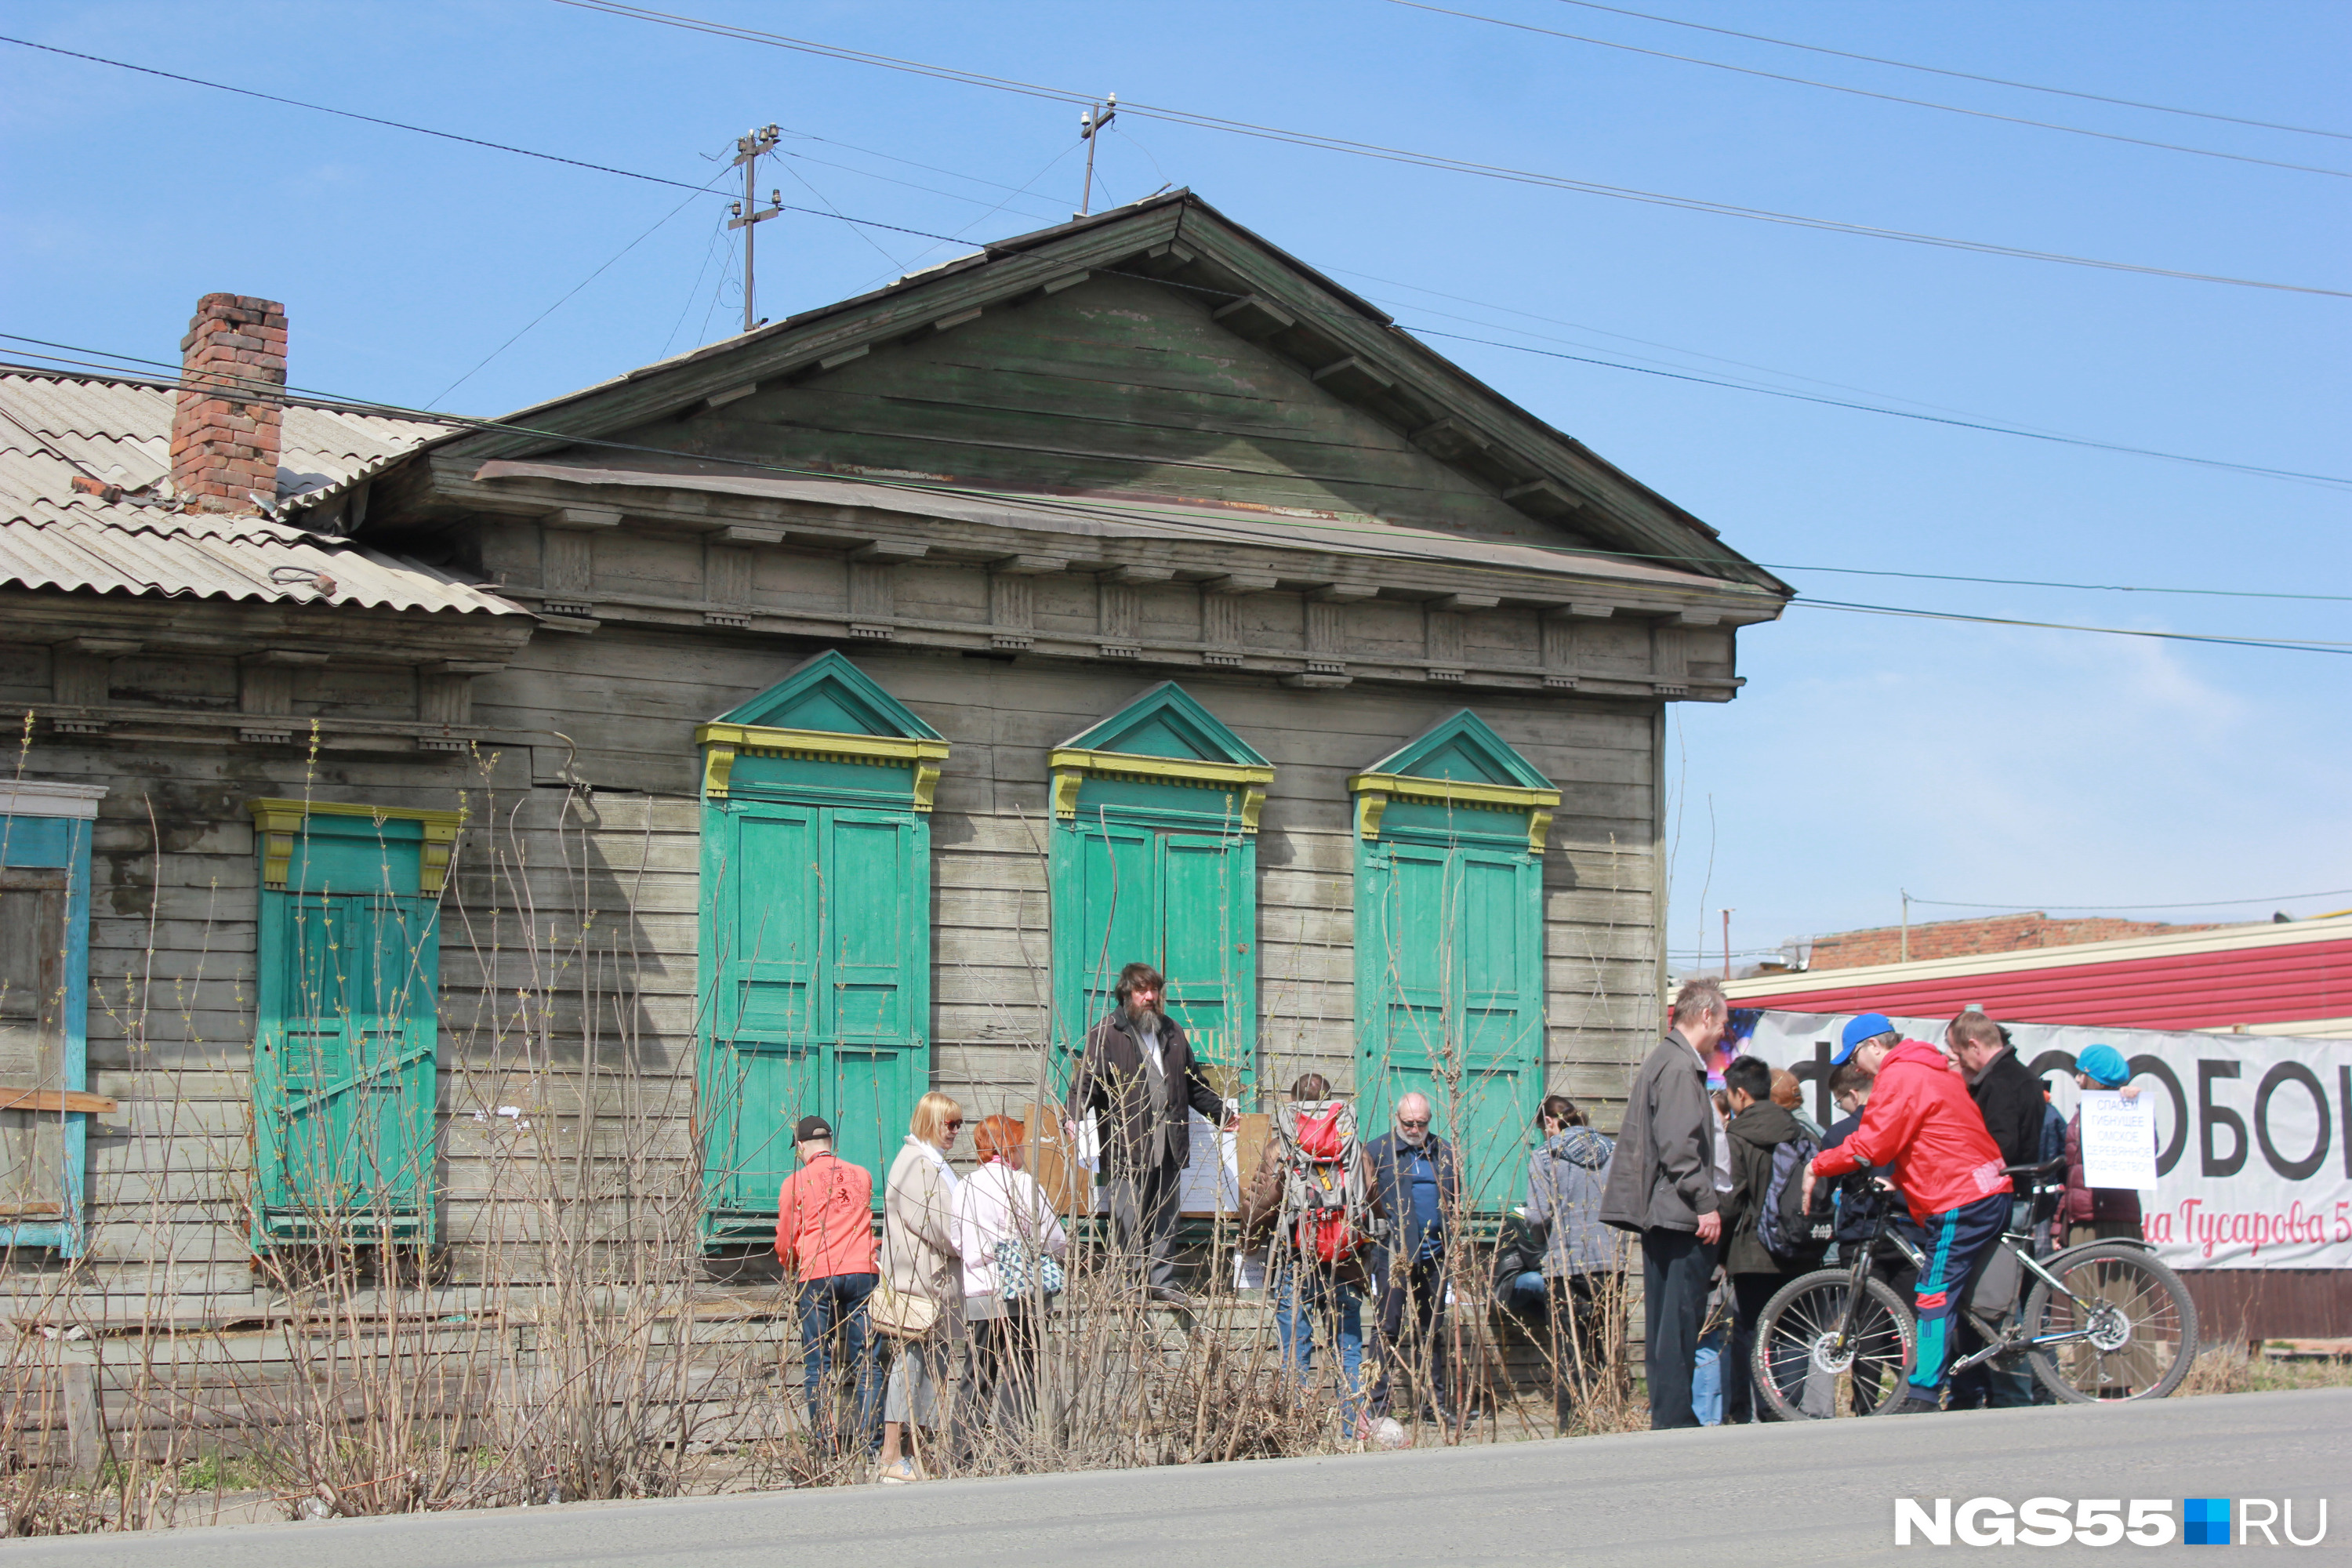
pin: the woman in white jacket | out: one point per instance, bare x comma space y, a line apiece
1005, 1230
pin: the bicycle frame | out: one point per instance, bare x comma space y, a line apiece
2004, 1336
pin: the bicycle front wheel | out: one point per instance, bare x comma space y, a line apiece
2122, 1328
1809, 1365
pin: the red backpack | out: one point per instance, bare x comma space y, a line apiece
1324, 1191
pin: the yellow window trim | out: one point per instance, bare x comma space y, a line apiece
724, 742
278, 822
1072, 767
1374, 791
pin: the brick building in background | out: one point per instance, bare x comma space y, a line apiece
1962, 939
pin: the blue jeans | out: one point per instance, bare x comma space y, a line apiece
833, 1333
1300, 1294
1526, 1292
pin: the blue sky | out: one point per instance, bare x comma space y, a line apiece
1869, 754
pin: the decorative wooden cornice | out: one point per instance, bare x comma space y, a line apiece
1071, 767
724, 742
1374, 791
278, 822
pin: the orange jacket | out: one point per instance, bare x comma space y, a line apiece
825, 1219
1921, 1121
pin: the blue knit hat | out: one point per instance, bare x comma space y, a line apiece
2105, 1066
1869, 1027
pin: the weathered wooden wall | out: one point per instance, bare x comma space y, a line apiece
569, 928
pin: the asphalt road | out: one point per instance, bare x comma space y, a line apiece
1733, 1498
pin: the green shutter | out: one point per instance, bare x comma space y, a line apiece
345, 1070
1155, 861
816, 933
1184, 904
1449, 945
815, 953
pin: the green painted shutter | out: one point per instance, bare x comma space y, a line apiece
815, 940
1208, 962
1449, 977
878, 948
1185, 903
345, 1068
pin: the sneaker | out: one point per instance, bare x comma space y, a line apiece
899, 1472
1914, 1405
1170, 1296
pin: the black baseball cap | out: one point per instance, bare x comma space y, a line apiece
812, 1127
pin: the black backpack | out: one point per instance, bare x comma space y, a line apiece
1795, 1238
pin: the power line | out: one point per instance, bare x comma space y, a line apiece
1431, 159
1865, 93
1962, 76
1167, 518
2288, 645
1985, 427
575, 289
1898, 413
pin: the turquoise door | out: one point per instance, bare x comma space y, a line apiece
345, 1078
815, 947
1184, 904
1449, 961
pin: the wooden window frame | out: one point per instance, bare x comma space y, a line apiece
48, 825
1487, 820
1230, 792
278, 825
744, 765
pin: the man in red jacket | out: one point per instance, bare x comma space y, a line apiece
824, 1235
1922, 1123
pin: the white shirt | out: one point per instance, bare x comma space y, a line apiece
1148, 1034
997, 1202
947, 1172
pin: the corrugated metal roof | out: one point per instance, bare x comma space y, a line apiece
2264, 977
55, 427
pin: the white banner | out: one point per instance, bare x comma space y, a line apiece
2253, 1132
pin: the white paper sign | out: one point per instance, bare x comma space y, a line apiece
1249, 1271
1212, 1183
2118, 1141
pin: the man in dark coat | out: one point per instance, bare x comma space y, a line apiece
1416, 1182
1137, 1078
1662, 1184
2011, 1101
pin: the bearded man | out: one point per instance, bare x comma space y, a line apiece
1138, 1079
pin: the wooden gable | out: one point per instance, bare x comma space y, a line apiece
1116, 386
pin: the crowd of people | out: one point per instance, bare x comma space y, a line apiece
1730, 1192
1720, 1185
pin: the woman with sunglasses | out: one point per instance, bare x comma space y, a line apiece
919, 1259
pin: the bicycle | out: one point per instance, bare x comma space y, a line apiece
2103, 1321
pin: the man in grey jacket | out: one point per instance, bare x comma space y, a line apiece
1662, 1184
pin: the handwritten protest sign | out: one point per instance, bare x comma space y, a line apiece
2118, 1141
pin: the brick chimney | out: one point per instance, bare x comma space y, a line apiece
226, 426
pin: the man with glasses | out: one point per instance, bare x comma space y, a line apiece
1417, 1184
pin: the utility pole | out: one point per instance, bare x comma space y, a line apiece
748, 214
1091, 120
1726, 945
1906, 925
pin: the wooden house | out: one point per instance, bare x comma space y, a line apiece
815, 717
